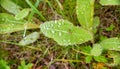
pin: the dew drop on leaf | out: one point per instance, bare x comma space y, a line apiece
60, 33
118, 46
55, 21
65, 32
47, 28
53, 32
29, 39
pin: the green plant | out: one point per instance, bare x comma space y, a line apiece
3, 64
64, 33
25, 66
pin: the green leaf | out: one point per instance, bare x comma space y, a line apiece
9, 24
10, 6
96, 22
100, 59
116, 58
110, 2
29, 39
111, 44
110, 28
96, 50
86, 49
22, 14
88, 59
65, 33
85, 11
3, 64
24, 66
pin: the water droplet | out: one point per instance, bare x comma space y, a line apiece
68, 40
3, 19
47, 28
82, 13
51, 25
60, 33
60, 24
90, 28
118, 46
53, 31
64, 40
113, 48
55, 22
44, 27
12, 24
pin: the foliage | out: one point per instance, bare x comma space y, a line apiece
65, 33
29, 39
116, 58
100, 59
10, 6
110, 28
111, 44
85, 11
88, 59
96, 50
9, 24
23, 13
3, 64
24, 66
110, 2
96, 22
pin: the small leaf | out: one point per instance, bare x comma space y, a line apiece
22, 14
100, 59
96, 22
111, 44
102, 37
3, 64
110, 2
25, 66
86, 49
97, 50
29, 39
85, 11
88, 59
9, 24
110, 28
10, 6
65, 33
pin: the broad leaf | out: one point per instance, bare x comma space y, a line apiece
111, 44
29, 39
97, 50
65, 33
9, 24
10, 6
110, 2
85, 11
22, 14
